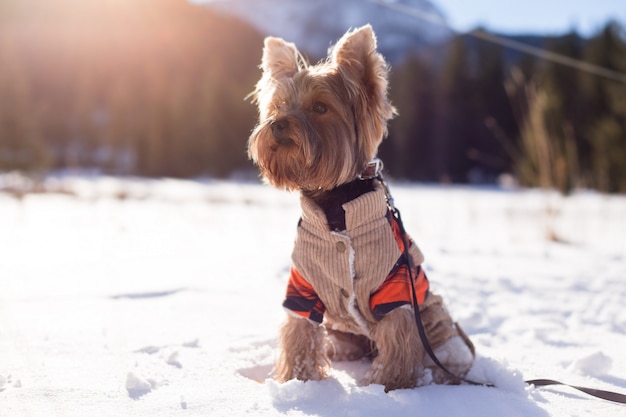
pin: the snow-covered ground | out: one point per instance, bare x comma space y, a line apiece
163, 298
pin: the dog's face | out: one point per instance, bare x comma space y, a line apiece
320, 125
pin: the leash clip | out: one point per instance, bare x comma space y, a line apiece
374, 170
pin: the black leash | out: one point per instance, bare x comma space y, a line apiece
598, 393
418, 318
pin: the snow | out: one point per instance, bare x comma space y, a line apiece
162, 297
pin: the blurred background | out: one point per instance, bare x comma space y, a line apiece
157, 87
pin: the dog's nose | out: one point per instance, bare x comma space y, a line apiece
278, 127
279, 130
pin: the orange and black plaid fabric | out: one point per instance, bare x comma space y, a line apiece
394, 292
302, 298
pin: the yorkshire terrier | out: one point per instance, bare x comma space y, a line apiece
349, 294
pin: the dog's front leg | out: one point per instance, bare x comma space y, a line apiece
303, 351
399, 363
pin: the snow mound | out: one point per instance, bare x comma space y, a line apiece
596, 364
490, 371
137, 386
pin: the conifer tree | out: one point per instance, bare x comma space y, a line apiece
491, 104
456, 115
605, 110
411, 133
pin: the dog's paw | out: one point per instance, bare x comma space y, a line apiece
309, 369
393, 377
302, 367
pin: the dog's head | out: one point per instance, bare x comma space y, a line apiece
319, 125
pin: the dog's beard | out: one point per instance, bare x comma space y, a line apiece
309, 155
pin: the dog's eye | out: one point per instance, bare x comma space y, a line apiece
320, 108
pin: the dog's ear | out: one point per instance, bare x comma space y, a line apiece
280, 59
355, 55
365, 74
355, 49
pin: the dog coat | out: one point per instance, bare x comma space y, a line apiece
354, 277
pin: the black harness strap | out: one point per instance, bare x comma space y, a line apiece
598, 393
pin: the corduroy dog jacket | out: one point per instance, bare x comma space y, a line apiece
355, 276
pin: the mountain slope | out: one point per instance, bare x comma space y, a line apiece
315, 25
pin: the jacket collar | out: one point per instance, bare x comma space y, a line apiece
359, 211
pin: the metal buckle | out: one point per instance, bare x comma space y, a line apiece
372, 170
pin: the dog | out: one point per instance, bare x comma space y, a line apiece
349, 292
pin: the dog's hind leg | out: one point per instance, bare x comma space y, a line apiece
450, 344
302, 351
